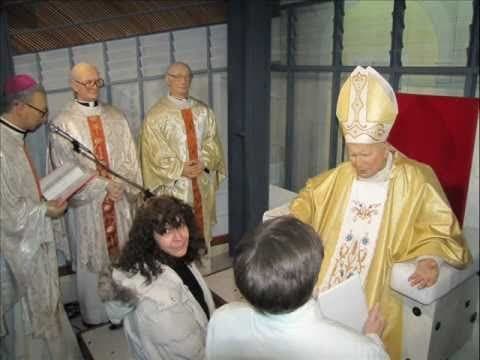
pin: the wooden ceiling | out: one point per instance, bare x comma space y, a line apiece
43, 25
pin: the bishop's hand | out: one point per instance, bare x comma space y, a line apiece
425, 275
55, 209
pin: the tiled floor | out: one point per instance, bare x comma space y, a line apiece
223, 284
105, 344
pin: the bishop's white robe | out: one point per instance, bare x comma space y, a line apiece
33, 323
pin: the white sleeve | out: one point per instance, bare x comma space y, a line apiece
169, 332
209, 353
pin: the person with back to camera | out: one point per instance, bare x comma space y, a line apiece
158, 292
276, 269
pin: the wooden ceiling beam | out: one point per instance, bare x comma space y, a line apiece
150, 11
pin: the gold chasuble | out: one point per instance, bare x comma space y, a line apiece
417, 221
108, 206
172, 134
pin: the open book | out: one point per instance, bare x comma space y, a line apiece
345, 303
64, 181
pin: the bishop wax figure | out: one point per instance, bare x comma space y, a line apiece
102, 210
33, 323
180, 150
380, 207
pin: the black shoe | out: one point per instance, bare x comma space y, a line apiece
115, 326
72, 309
91, 326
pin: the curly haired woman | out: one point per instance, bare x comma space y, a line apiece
161, 297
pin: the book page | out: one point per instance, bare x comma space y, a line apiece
345, 303
63, 182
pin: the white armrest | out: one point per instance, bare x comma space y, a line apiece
448, 278
278, 211
279, 202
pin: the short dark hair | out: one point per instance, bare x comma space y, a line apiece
142, 253
276, 267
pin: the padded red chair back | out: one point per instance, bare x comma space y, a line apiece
439, 131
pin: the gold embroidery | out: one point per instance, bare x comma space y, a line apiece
363, 211
359, 82
375, 132
350, 260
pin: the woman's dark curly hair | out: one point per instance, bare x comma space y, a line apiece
142, 253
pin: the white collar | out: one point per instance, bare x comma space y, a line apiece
90, 104
180, 103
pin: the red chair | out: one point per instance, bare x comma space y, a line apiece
439, 131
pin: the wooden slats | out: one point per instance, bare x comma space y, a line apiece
46, 25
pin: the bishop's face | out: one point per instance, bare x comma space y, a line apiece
367, 159
179, 80
34, 112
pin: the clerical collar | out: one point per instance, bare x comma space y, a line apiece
383, 174
8, 124
181, 103
87, 103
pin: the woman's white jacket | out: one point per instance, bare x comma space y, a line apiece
161, 320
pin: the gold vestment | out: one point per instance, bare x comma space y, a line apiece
164, 149
417, 220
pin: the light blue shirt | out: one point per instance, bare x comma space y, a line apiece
237, 331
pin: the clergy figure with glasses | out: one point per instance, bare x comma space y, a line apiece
100, 215
180, 150
33, 323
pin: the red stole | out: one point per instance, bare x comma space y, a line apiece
108, 206
193, 155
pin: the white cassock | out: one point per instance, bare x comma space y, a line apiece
86, 225
33, 323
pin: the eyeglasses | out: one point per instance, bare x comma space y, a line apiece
43, 112
91, 83
178, 76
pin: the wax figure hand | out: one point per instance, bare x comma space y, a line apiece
114, 190
55, 209
375, 323
425, 275
192, 169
